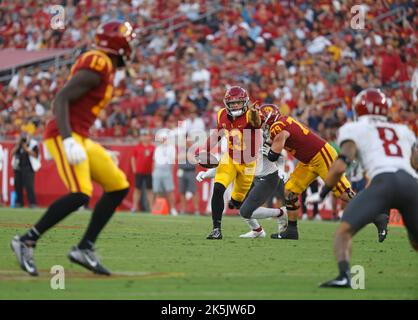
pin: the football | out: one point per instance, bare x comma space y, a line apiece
207, 160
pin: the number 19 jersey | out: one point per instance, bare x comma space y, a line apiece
382, 146
84, 111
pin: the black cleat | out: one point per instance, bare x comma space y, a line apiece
216, 234
381, 223
339, 282
24, 255
290, 233
87, 258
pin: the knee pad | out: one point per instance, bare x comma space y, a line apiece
234, 204
292, 201
218, 189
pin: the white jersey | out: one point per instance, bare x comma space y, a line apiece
382, 146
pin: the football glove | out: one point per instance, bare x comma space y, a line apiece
314, 198
74, 151
202, 175
266, 149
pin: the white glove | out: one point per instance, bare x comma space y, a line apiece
74, 151
265, 149
206, 174
314, 198
201, 176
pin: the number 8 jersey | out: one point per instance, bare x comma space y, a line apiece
84, 111
382, 146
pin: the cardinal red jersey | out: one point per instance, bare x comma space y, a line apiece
302, 142
244, 140
84, 111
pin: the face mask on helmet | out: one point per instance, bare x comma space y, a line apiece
236, 108
236, 101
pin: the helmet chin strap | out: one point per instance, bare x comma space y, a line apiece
237, 113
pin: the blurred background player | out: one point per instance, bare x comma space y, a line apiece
239, 122
162, 174
389, 154
79, 160
141, 163
315, 156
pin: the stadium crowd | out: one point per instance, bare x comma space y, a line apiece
301, 55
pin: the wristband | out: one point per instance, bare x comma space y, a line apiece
324, 191
344, 158
273, 156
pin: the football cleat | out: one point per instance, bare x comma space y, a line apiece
87, 258
216, 234
289, 233
339, 282
24, 255
382, 235
254, 234
381, 223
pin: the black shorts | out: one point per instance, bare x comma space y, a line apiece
140, 179
387, 191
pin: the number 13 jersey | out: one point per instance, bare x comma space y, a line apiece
84, 111
382, 146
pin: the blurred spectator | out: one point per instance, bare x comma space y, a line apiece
141, 162
186, 174
25, 162
162, 174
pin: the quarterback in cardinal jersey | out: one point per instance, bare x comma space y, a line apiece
79, 160
388, 152
240, 123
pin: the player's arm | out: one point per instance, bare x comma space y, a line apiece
76, 87
254, 117
79, 84
339, 166
278, 145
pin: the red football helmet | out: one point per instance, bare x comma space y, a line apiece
116, 37
371, 102
233, 95
269, 113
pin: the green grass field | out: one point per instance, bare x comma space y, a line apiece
160, 257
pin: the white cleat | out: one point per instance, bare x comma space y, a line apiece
282, 221
318, 217
174, 212
254, 234
305, 217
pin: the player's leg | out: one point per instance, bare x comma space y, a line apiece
77, 180
251, 209
168, 185
18, 180
148, 188
106, 173
299, 180
137, 193
359, 212
225, 174
407, 204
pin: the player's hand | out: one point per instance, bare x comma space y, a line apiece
266, 149
74, 151
253, 106
314, 198
201, 176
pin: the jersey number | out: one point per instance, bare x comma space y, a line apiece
390, 139
305, 130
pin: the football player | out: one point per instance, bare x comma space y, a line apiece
266, 178
389, 154
315, 156
240, 123
79, 160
